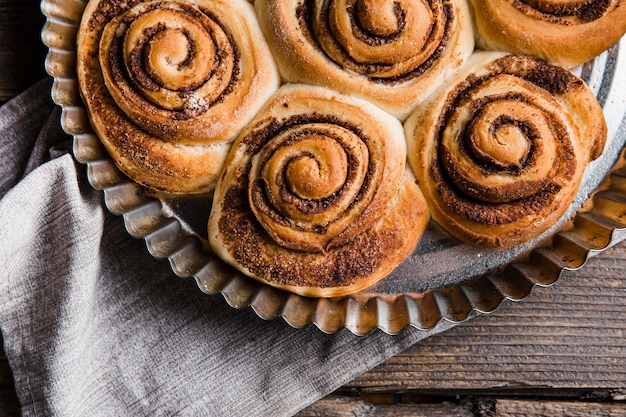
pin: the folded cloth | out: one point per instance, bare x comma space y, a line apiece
93, 325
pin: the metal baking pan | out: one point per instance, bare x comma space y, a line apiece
423, 290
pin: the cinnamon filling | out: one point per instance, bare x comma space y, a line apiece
512, 155
307, 173
170, 57
563, 11
379, 44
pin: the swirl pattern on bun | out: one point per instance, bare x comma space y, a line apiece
170, 84
316, 197
392, 53
500, 152
563, 32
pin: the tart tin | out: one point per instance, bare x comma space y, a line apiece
443, 279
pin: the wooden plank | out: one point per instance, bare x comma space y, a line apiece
569, 336
342, 406
517, 408
346, 406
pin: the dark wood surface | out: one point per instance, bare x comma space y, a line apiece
562, 351
21, 50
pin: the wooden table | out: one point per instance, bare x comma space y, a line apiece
562, 351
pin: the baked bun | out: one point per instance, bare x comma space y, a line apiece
393, 54
500, 151
563, 32
316, 197
168, 85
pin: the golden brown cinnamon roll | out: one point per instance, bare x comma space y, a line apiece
564, 32
168, 85
500, 151
392, 53
316, 197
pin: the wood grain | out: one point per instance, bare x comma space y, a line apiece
516, 408
559, 352
568, 336
338, 406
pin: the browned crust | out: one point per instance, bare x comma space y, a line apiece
158, 158
393, 225
396, 87
568, 35
579, 130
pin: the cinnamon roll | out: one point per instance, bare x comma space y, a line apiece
563, 32
315, 197
391, 53
169, 84
500, 151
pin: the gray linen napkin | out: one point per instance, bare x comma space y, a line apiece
95, 326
